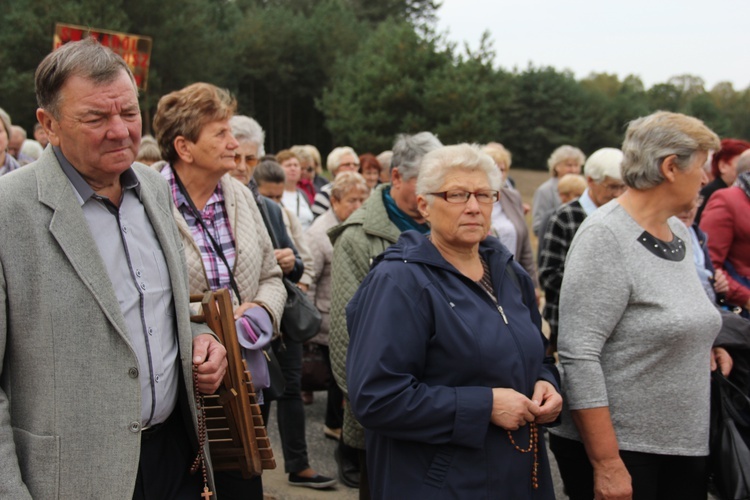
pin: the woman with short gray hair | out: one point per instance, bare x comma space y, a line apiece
636, 328
348, 192
341, 159
471, 430
563, 161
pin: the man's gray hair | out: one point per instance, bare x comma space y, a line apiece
245, 129
651, 139
408, 151
87, 58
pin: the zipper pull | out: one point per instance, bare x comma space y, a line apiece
500, 308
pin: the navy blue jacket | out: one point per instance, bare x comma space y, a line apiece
427, 345
275, 223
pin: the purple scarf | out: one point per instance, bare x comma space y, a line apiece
254, 332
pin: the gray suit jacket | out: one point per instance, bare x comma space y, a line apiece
70, 403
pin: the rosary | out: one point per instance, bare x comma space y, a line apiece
533, 446
200, 460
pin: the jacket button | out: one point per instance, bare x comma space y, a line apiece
135, 426
133, 372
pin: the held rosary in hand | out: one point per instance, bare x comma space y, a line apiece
200, 460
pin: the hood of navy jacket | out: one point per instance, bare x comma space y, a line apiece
415, 247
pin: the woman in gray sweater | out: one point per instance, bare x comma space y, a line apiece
636, 329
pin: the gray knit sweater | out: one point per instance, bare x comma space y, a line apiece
635, 335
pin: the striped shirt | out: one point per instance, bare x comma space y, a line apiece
214, 215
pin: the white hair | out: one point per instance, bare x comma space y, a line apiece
436, 165
605, 162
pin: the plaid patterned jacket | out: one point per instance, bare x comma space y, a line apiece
558, 235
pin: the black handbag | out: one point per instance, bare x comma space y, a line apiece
301, 319
316, 376
275, 375
730, 436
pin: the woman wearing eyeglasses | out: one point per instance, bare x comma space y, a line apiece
342, 159
446, 367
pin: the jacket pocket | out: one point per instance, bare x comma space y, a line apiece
39, 460
439, 467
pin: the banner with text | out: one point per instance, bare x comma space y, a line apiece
135, 49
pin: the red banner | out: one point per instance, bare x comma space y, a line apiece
134, 49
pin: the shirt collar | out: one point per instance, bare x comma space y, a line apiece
587, 203
128, 179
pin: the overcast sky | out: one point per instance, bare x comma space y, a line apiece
654, 39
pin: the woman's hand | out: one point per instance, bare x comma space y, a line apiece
549, 402
721, 359
242, 308
721, 285
511, 409
612, 480
285, 258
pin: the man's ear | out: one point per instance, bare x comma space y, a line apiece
50, 125
396, 178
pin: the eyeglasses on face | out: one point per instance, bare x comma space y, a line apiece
614, 188
485, 196
350, 164
250, 160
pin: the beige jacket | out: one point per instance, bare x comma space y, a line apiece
257, 274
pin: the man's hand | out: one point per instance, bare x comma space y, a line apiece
210, 361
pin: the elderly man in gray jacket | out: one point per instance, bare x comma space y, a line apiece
98, 352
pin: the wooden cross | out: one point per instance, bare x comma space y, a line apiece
206, 493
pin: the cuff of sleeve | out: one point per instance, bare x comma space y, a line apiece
473, 412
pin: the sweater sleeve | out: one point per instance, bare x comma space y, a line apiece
718, 222
592, 301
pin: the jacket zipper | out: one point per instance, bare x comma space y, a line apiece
502, 313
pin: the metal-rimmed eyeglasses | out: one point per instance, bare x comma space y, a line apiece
457, 196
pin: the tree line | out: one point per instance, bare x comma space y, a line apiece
356, 72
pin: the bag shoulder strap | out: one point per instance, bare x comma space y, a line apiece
217, 247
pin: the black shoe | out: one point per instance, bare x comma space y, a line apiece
317, 482
348, 471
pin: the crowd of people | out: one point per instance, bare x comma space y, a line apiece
421, 263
